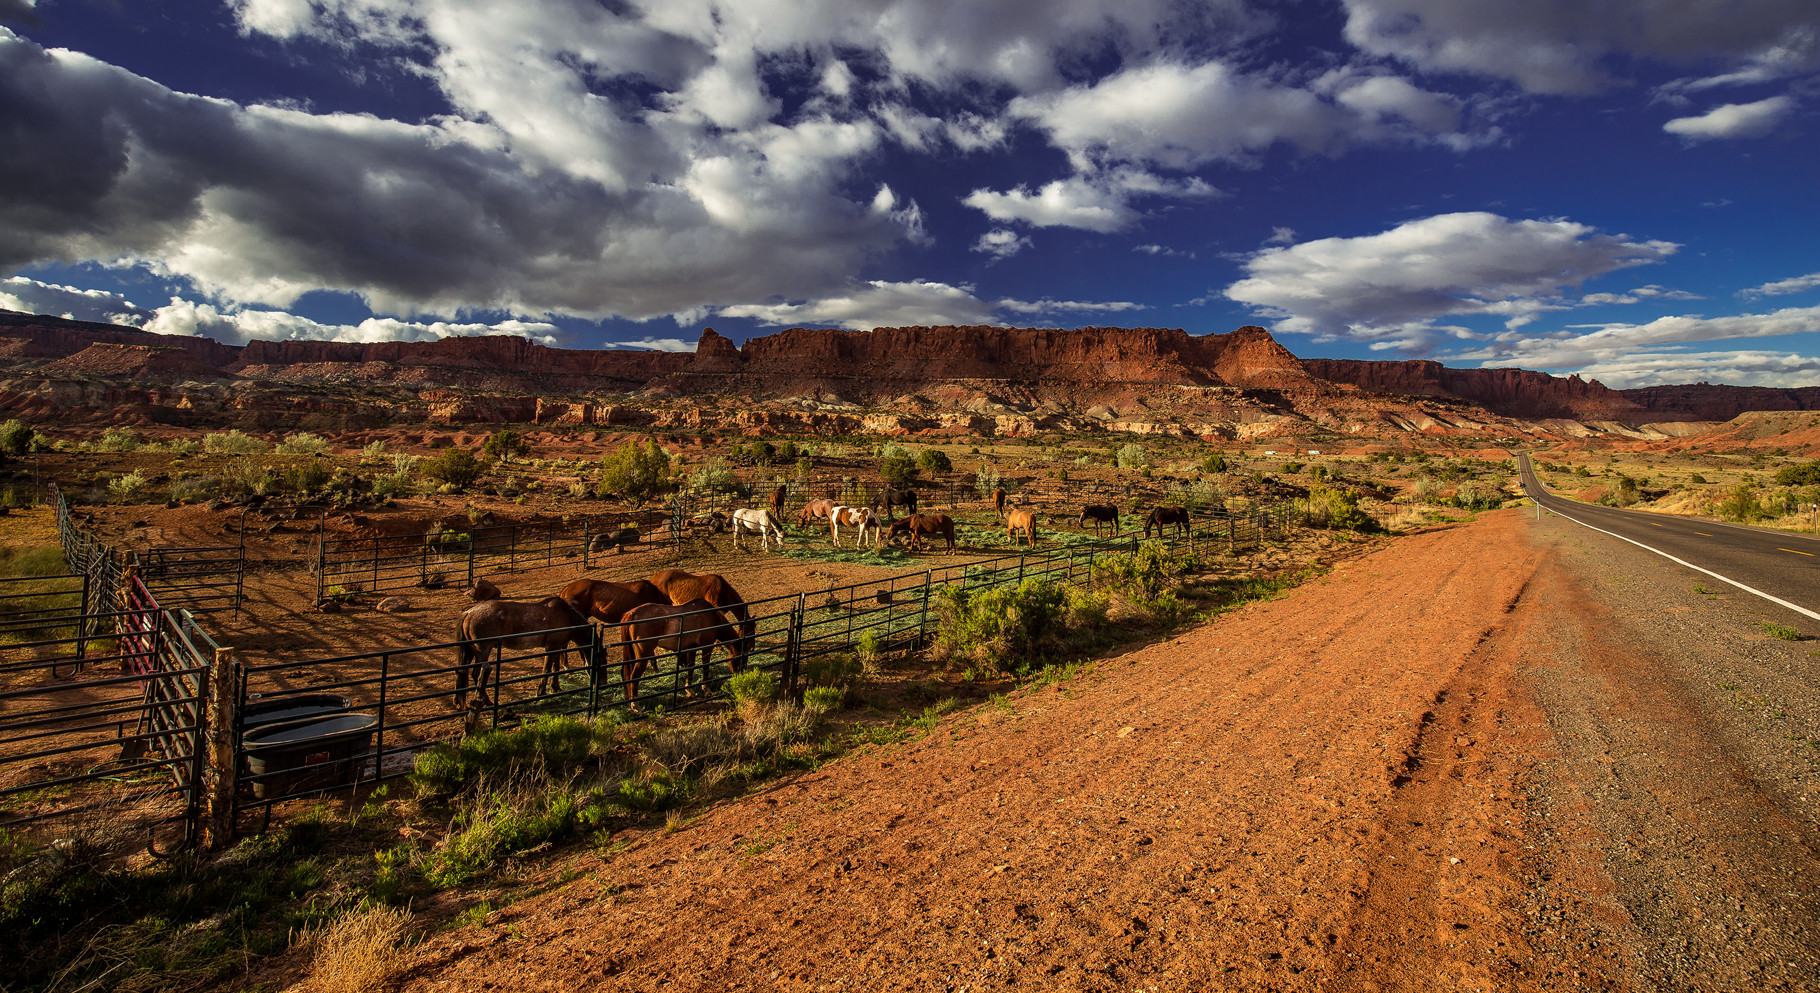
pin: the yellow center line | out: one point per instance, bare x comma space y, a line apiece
1654, 524
1703, 532
1808, 554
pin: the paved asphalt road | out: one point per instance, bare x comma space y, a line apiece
1782, 564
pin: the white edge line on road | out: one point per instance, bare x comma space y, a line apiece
1723, 579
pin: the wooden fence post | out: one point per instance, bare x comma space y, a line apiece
221, 770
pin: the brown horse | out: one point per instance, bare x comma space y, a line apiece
1163, 517
998, 502
1100, 513
777, 498
815, 510
681, 587
608, 602
487, 629
917, 525
684, 629
890, 496
1020, 520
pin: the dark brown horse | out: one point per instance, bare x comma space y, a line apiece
1100, 513
1163, 517
608, 602
998, 502
890, 497
681, 587
917, 525
487, 629
684, 629
777, 498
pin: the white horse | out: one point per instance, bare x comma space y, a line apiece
855, 517
761, 522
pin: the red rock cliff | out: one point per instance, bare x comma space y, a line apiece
1512, 392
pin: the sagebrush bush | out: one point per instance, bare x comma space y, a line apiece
303, 443
1144, 573
714, 477
553, 744
823, 698
454, 467
1338, 509
124, 488
232, 442
999, 628
359, 951
118, 440
1132, 457
753, 686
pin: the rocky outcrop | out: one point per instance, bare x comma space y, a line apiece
1511, 392
1706, 402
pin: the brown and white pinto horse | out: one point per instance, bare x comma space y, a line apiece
684, 629
861, 518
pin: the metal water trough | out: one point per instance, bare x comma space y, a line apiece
281, 709
299, 756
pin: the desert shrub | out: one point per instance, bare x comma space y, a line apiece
1290, 468
373, 450
504, 445
553, 744
1622, 495
636, 472
358, 951
1214, 462
1780, 631
1132, 456
1318, 473
1799, 475
1338, 509
496, 826
753, 686
455, 467
1086, 609
118, 440
714, 477
998, 628
1741, 504
763, 452
246, 476
804, 466
823, 698
1697, 479
896, 465
15, 437
1427, 489
306, 477
124, 488
1490, 496
985, 480
303, 443
934, 460
1142, 574
187, 488
870, 644
231, 443
392, 485
183, 446
835, 669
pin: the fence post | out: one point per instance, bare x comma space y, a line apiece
321, 560
585, 536
597, 659
1232, 533
220, 779
922, 622
793, 650
471, 543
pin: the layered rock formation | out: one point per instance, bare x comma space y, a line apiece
1511, 392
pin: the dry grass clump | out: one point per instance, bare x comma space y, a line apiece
358, 951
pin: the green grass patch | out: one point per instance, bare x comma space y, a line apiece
1780, 631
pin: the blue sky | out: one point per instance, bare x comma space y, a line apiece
1626, 189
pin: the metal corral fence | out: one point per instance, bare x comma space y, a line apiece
944, 494
92, 723
315, 725
443, 557
200, 578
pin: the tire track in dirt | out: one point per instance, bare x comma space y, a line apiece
1328, 791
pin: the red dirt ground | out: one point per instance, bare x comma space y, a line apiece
1329, 791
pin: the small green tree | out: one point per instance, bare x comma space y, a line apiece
15, 437
934, 460
505, 445
763, 452
897, 465
1214, 463
455, 466
636, 472
1132, 457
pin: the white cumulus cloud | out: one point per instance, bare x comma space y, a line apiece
1783, 287
1392, 289
237, 326
30, 296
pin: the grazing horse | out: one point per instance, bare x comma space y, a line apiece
1100, 513
814, 510
1162, 517
763, 523
608, 602
917, 525
487, 629
1020, 520
854, 517
684, 629
681, 587
890, 497
777, 498
998, 502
